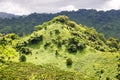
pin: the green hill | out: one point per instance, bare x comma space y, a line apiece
59, 49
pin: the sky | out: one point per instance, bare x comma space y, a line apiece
24, 7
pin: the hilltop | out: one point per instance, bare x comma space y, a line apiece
57, 48
106, 22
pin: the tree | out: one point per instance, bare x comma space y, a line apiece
72, 48
69, 62
25, 50
22, 58
12, 36
113, 43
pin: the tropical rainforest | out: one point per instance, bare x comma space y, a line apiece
106, 22
59, 49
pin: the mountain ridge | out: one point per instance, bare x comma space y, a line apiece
4, 15
106, 22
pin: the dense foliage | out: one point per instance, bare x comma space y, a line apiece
106, 22
4, 15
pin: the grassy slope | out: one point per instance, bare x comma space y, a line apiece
27, 71
89, 63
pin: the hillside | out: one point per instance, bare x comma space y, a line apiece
59, 49
106, 22
4, 15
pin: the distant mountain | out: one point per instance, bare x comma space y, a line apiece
4, 15
107, 22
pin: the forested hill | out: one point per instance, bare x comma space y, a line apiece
4, 15
107, 22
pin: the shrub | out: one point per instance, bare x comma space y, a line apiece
35, 57
61, 19
22, 58
73, 41
2, 61
57, 31
3, 41
38, 28
72, 48
71, 24
25, 50
118, 76
56, 53
59, 44
113, 43
69, 62
81, 46
45, 28
100, 48
21, 44
50, 33
12, 36
102, 71
107, 78
92, 38
46, 45
36, 39
112, 50
54, 41
64, 41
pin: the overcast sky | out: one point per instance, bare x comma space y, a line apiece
20, 7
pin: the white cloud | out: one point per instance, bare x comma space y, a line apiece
68, 8
21, 7
111, 4
13, 8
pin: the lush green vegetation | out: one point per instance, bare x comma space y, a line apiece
59, 49
28, 71
106, 22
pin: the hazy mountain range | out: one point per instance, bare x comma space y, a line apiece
107, 22
4, 15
